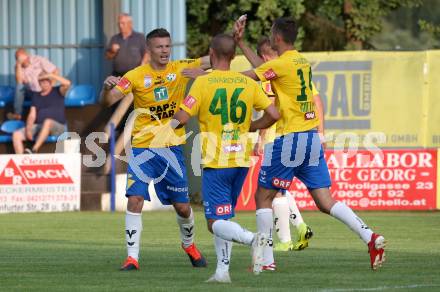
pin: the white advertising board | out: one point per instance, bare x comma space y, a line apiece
40, 182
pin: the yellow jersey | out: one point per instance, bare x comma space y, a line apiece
223, 101
270, 133
291, 78
156, 97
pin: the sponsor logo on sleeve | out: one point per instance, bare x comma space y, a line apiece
223, 209
124, 83
281, 183
269, 74
189, 101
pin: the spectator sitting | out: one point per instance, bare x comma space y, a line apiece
127, 49
27, 69
46, 115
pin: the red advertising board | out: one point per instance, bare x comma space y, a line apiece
366, 180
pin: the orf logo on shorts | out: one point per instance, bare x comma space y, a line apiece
223, 209
281, 183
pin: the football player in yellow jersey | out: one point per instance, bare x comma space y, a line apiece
223, 101
156, 155
297, 150
284, 205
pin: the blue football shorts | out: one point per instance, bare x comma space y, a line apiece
165, 167
297, 154
221, 188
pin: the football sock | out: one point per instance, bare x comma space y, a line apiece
232, 231
186, 226
223, 250
281, 219
295, 216
349, 218
133, 230
265, 225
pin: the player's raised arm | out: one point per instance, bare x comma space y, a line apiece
189, 107
253, 58
193, 73
205, 62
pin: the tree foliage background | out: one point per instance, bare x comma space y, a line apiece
325, 25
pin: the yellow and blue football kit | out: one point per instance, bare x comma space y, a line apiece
157, 155
296, 150
223, 102
270, 133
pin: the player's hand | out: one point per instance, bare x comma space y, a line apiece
110, 82
258, 148
115, 48
238, 30
193, 73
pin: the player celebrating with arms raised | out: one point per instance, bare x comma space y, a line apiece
284, 205
223, 101
291, 78
158, 89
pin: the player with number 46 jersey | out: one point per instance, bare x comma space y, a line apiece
223, 101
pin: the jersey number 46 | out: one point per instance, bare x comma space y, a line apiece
219, 106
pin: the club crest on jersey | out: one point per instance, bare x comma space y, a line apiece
269, 74
223, 209
189, 101
148, 81
124, 83
309, 115
281, 183
171, 77
161, 93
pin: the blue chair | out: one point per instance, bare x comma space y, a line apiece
5, 138
80, 95
11, 126
7, 94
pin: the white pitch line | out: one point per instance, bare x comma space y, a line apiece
415, 286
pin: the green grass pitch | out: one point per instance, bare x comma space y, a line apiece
83, 251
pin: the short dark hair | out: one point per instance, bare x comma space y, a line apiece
264, 41
224, 46
286, 27
158, 33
